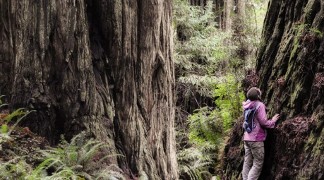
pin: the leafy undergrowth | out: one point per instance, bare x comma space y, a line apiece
19, 147
25, 155
22, 143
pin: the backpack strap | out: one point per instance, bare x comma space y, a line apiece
257, 107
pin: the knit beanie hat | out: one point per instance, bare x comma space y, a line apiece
254, 94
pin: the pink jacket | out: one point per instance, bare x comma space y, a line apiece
261, 122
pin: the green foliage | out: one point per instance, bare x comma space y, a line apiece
207, 61
201, 84
1, 102
204, 54
208, 124
192, 20
17, 167
252, 28
208, 128
80, 159
316, 32
5, 128
194, 161
111, 172
302, 30
74, 160
14, 169
256, 11
203, 126
228, 100
199, 45
16, 114
21, 113
299, 30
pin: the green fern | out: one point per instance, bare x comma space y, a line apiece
4, 128
16, 113
20, 113
228, 100
70, 161
204, 127
195, 161
73, 160
16, 168
40, 171
110, 172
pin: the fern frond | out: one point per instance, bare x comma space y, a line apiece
16, 123
17, 112
91, 152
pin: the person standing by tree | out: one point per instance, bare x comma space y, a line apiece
254, 139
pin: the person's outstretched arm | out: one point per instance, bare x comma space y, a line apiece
262, 117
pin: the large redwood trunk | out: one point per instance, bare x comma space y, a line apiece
101, 66
290, 66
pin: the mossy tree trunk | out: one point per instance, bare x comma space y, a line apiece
290, 67
101, 66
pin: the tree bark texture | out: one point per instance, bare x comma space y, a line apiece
228, 4
201, 3
240, 5
101, 66
290, 68
219, 12
239, 33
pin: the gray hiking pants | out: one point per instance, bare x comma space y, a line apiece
253, 160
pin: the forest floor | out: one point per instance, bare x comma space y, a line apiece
21, 143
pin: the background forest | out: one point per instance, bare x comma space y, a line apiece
213, 53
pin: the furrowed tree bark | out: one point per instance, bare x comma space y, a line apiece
228, 4
100, 66
241, 8
290, 66
201, 3
219, 12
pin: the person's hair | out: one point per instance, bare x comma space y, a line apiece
254, 94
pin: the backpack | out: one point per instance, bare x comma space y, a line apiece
249, 114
